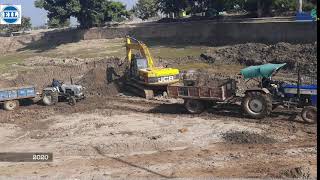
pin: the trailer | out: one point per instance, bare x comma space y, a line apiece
10, 98
198, 98
257, 102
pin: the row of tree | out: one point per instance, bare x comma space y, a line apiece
89, 13
145, 9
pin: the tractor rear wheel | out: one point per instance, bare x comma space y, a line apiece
194, 106
50, 98
309, 114
10, 105
257, 104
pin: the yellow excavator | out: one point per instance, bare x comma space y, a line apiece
143, 77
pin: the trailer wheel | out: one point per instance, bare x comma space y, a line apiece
194, 106
11, 105
309, 114
50, 98
257, 105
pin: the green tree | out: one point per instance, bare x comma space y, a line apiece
259, 7
116, 11
89, 13
284, 5
146, 9
172, 6
308, 5
212, 8
56, 23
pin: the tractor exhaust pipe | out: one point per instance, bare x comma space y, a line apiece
71, 80
299, 82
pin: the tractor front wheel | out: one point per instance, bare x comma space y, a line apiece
257, 104
72, 101
309, 114
50, 98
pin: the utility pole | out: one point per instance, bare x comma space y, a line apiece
300, 6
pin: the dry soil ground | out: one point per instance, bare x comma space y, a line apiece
124, 137
108, 135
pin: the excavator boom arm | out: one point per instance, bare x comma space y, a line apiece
144, 51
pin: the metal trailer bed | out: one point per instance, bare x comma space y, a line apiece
196, 97
10, 97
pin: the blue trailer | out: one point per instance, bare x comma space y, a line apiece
11, 97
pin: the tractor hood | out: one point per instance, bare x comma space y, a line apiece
265, 70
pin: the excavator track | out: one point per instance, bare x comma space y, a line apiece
140, 89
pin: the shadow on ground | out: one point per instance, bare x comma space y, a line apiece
52, 39
228, 111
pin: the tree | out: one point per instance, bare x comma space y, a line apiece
89, 13
284, 5
116, 11
56, 23
259, 7
172, 6
146, 9
59, 11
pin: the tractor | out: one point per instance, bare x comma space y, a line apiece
259, 102
59, 91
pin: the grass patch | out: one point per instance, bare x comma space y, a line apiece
104, 48
12, 59
173, 52
212, 68
188, 66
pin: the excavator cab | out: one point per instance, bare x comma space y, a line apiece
137, 63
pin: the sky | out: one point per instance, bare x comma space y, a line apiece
38, 16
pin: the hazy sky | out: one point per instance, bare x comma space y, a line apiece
38, 16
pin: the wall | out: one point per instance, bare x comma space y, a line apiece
213, 33
177, 34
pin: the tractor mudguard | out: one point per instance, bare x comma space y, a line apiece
264, 90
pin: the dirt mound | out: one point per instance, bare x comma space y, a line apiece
255, 53
90, 73
96, 83
204, 78
6, 83
42, 77
298, 172
245, 137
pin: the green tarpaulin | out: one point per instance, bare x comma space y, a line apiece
264, 70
